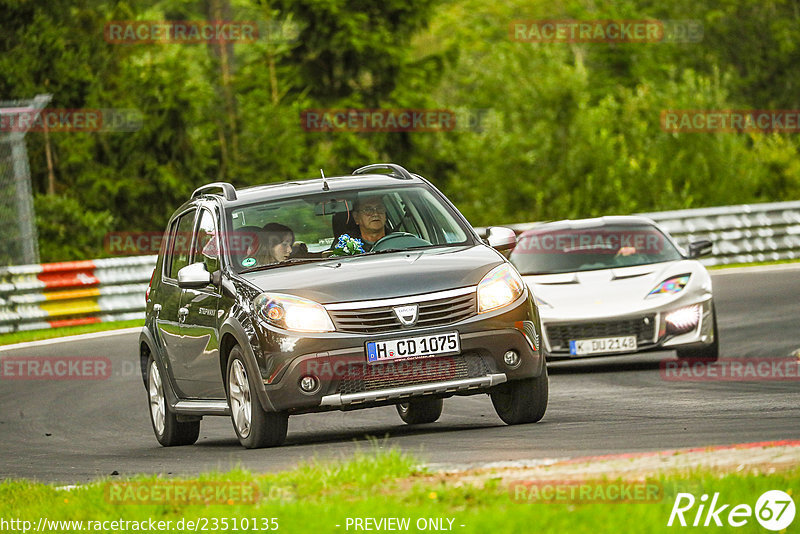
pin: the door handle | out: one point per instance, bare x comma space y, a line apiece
156, 309
182, 313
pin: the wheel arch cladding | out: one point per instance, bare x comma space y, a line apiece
225, 346
144, 357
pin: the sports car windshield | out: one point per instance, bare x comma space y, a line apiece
316, 227
587, 249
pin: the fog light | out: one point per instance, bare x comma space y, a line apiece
683, 320
511, 358
309, 384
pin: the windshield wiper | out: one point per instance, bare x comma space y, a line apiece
290, 261
412, 249
385, 251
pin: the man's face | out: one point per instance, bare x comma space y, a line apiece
371, 214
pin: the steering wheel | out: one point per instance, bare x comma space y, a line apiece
400, 240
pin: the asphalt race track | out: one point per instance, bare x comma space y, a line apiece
75, 431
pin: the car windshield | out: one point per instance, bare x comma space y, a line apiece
278, 233
546, 251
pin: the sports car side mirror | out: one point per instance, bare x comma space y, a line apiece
698, 249
501, 238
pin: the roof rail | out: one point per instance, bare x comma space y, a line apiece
227, 189
397, 170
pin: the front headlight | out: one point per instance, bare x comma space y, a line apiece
293, 313
500, 287
671, 286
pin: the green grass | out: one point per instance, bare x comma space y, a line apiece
317, 496
37, 335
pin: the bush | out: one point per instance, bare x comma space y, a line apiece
67, 230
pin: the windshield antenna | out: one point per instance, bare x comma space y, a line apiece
324, 182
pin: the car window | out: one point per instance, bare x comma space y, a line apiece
546, 251
179, 247
317, 221
443, 224
206, 245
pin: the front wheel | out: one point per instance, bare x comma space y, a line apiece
168, 430
254, 427
521, 401
418, 412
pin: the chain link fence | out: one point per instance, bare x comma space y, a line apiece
19, 239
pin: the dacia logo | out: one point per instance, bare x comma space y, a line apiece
407, 314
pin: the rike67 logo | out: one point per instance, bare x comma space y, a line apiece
774, 510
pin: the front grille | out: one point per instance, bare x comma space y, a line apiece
372, 377
641, 327
439, 312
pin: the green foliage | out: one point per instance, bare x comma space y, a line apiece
573, 129
353, 49
577, 133
67, 230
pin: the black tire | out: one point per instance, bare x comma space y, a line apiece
709, 353
168, 430
254, 427
421, 411
522, 401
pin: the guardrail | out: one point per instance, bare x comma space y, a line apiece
741, 234
53, 295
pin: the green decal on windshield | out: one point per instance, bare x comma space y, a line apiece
248, 262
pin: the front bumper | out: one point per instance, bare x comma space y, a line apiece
405, 392
649, 327
345, 380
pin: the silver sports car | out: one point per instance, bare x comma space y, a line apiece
617, 285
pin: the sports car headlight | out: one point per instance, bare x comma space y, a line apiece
500, 287
671, 286
293, 313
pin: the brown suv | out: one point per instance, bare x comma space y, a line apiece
273, 300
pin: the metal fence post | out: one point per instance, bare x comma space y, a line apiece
22, 248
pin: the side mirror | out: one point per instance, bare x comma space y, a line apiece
194, 276
501, 238
698, 249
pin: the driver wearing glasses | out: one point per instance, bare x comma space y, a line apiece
370, 216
